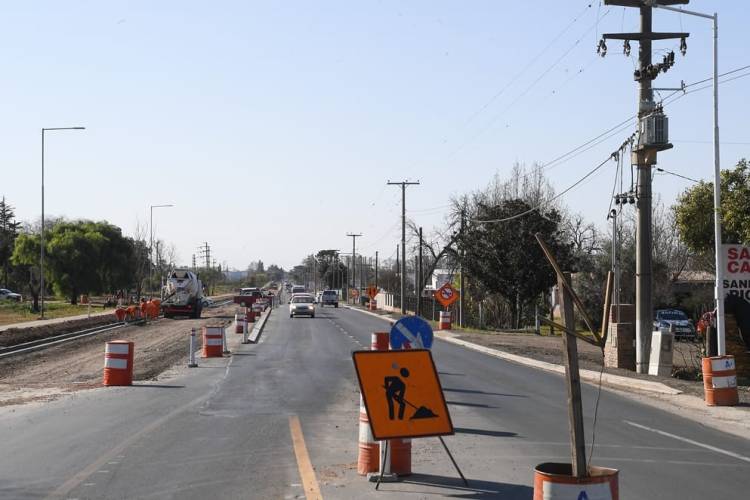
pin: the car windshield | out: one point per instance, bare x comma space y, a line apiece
329, 292
302, 300
672, 315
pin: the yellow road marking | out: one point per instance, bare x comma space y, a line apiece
306, 472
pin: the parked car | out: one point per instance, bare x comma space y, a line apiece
329, 298
683, 328
7, 295
302, 304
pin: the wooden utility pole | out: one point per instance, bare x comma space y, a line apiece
403, 237
572, 381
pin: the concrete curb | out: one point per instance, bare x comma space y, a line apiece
589, 376
258, 328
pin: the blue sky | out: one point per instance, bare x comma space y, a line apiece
274, 126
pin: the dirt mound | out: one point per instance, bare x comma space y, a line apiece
13, 336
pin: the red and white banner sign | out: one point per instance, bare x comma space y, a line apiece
736, 279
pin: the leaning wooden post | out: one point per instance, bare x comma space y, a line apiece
572, 380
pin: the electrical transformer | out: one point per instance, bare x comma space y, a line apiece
654, 129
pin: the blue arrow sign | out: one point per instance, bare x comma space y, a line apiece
412, 331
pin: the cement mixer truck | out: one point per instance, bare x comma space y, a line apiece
183, 295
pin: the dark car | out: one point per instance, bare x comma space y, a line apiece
329, 298
667, 319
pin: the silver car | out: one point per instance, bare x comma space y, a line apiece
6, 294
302, 305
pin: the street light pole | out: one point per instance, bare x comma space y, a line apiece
151, 241
41, 245
719, 282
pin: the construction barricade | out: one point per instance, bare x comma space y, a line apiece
445, 320
213, 345
118, 363
720, 381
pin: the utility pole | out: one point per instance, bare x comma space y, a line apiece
652, 138
354, 257
461, 302
418, 283
416, 278
398, 266
403, 237
376, 268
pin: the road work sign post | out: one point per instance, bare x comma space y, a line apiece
403, 397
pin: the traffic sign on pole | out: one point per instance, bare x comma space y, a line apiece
411, 332
402, 394
446, 295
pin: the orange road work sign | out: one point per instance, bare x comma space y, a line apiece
402, 394
446, 295
372, 291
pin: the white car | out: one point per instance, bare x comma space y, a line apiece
6, 294
302, 304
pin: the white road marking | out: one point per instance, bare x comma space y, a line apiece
690, 441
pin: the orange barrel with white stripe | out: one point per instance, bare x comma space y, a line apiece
368, 457
400, 453
239, 323
120, 313
720, 381
445, 320
118, 362
555, 481
373, 305
380, 341
212, 344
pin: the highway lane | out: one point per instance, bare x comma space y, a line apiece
220, 430
223, 430
511, 417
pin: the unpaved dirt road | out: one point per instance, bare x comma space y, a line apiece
75, 365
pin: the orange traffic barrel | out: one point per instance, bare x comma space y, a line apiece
118, 362
373, 305
380, 341
120, 313
368, 458
445, 320
249, 315
239, 323
84, 299
400, 456
212, 341
720, 381
555, 481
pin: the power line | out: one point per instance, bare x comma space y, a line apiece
528, 65
557, 196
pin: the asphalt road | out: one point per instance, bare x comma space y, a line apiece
223, 430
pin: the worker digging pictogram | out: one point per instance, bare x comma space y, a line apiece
395, 389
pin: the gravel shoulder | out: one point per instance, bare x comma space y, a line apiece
76, 365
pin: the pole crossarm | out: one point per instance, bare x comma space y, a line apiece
644, 36
644, 3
